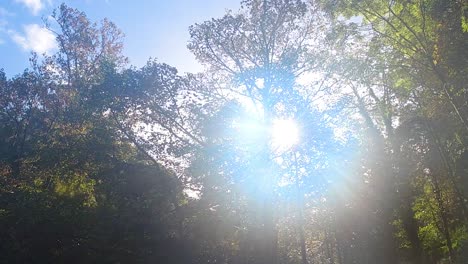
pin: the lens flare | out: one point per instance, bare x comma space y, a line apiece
284, 134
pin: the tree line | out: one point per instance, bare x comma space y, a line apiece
103, 162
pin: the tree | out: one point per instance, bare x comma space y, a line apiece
101, 162
399, 80
262, 51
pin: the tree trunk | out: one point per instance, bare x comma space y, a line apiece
443, 216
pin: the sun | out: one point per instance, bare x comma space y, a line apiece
284, 134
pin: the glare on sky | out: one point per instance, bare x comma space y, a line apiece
284, 134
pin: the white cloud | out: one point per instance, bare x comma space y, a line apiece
35, 38
33, 5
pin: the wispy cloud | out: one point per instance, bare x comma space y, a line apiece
3, 23
5, 13
36, 38
35, 6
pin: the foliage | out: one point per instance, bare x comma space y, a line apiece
101, 162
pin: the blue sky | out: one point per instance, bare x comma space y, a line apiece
153, 28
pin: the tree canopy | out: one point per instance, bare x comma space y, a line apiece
318, 132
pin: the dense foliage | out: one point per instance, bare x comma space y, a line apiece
101, 162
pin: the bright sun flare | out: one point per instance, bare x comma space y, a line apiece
284, 133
